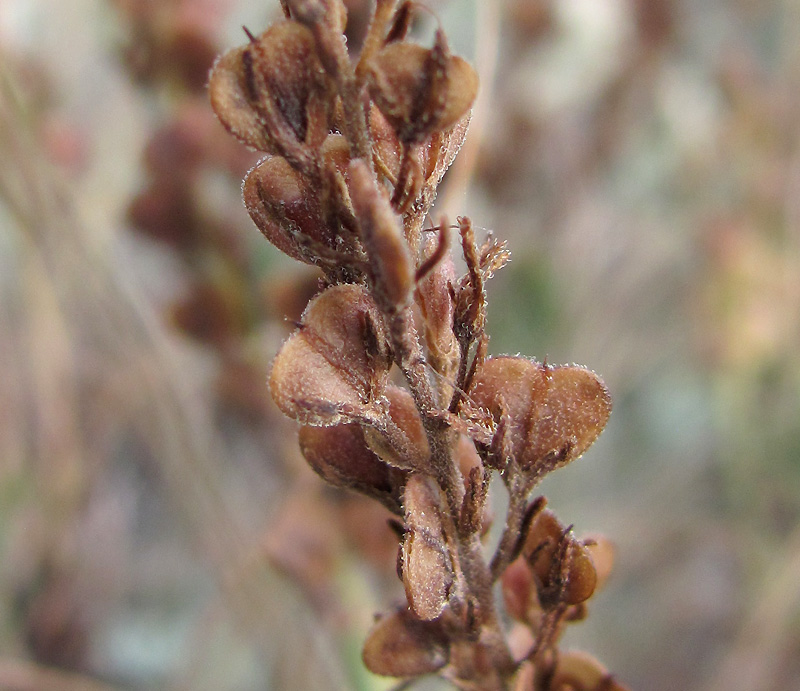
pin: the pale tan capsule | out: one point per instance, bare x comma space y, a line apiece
400, 645
398, 76
261, 92
428, 573
334, 368
553, 413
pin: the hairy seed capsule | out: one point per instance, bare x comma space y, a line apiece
282, 205
400, 645
553, 555
418, 94
335, 367
552, 414
427, 571
262, 92
341, 456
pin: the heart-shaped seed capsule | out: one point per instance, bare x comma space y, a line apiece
419, 90
334, 368
562, 565
341, 456
262, 92
550, 415
400, 645
286, 211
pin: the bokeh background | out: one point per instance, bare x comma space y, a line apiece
158, 529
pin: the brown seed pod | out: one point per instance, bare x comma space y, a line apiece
579, 671
341, 456
419, 90
428, 573
335, 367
406, 445
263, 92
562, 565
309, 224
286, 211
400, 645
552, 414
382, 236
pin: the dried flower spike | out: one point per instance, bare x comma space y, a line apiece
356, 146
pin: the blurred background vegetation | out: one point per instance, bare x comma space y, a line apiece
158, 529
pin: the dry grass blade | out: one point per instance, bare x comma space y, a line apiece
105, 322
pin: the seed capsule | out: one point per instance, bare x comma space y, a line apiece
553, 414
400, 645
419, 90
341, 456
562, 565
262, 92
334, 368
428, 574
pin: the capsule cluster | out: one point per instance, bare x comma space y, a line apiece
387, 372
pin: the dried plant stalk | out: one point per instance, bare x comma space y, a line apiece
356, 145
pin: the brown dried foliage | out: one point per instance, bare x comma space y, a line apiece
355, 147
